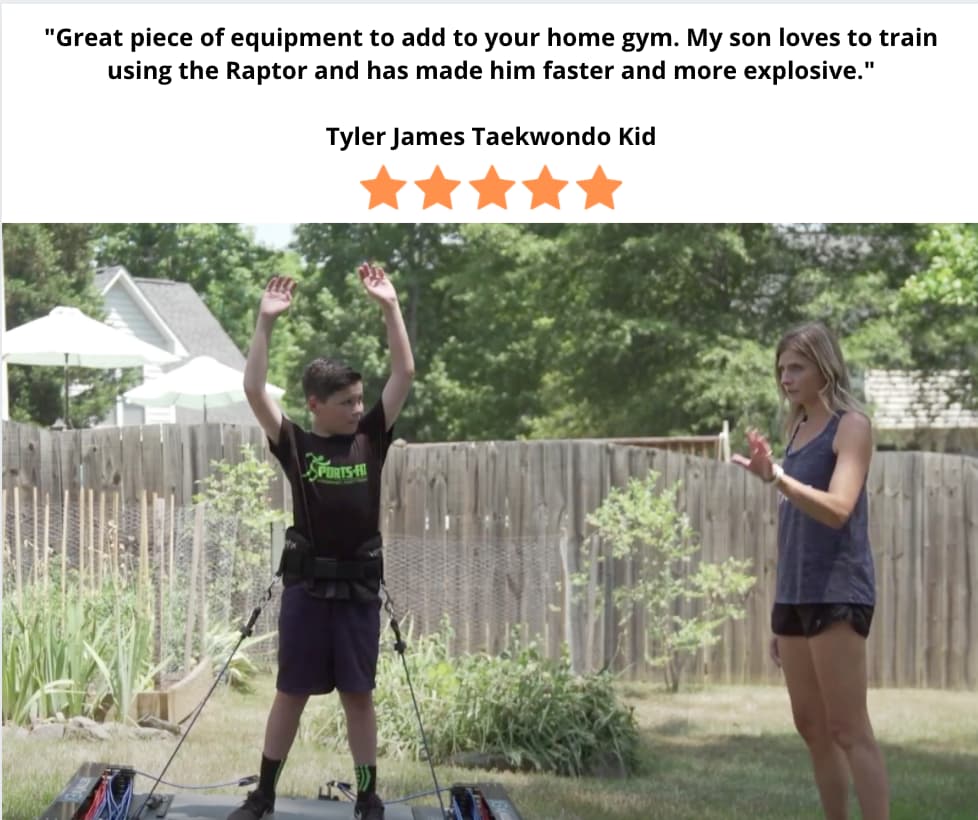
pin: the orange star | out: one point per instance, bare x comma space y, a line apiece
437, 189
492, 190
383, 189
599, 189
546, 190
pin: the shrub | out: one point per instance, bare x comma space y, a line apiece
645, 526
516, 707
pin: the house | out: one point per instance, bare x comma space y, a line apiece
913, 411
172, 316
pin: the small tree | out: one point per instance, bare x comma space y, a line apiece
646, 527
239, 492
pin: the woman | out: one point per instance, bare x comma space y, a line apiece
825, 580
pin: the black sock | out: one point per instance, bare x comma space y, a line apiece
270, 770
366, 780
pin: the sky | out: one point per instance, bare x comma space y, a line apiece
273, 234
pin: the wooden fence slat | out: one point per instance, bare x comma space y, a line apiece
29, 463
881, 632
108, 465
151, 455
955, 634
132, 483
909, 638
11, 454
970, 551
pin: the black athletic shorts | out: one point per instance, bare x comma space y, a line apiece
807, 620
326, 644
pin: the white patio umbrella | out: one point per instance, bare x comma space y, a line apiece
200, 383
66, 337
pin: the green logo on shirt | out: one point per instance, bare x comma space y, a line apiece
322, 471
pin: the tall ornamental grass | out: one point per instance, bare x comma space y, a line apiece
83, 655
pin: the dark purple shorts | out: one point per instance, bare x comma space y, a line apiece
326, 644
807, 620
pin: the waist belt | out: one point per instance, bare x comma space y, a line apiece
299, 562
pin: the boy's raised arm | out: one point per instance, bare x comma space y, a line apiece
380, 288
276, 299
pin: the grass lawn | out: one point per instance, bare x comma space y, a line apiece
719, 753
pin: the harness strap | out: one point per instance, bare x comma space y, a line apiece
299, 562
312, 568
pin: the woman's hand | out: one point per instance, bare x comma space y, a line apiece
759, 462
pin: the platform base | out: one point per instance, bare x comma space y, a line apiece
219, 806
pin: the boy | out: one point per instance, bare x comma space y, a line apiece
329, 623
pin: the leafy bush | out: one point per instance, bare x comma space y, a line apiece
516, 707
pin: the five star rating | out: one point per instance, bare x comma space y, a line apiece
492, 189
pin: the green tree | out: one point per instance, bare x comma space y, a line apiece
636, 308
223, 263
643, 525
484, 378
225, 266
240, 493
333, 317
938, 308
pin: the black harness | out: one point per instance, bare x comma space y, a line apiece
299, 562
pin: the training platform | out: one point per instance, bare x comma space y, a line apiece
219, 806
107, 788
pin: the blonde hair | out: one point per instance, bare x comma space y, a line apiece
815, 342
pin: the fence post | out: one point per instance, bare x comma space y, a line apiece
117, 529
64, 550
192, 583
159, 551
725, 442
92, 563
103, 567
143, 544
47, 538
18, 578
35, 569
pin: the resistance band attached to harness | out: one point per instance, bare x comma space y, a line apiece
399, 647
246, 631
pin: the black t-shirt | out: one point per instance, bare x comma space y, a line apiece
341, 475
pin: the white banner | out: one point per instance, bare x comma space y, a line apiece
493, 112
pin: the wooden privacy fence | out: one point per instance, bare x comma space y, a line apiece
491, 532
487, 535
166, 459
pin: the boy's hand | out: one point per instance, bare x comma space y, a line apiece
277, 297
378, 286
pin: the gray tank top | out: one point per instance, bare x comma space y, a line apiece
816, 563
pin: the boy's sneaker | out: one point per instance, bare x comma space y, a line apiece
370, 808
255, 807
